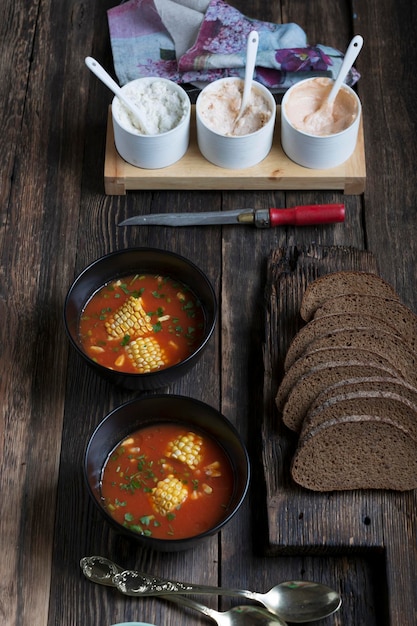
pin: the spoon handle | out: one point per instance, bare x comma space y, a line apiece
133, 583
101, 73
105, 77
201, 608
251, 52
351, 54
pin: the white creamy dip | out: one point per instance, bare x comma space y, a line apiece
307, 110
161, 105
219, 109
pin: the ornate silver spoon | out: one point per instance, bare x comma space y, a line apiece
292, 601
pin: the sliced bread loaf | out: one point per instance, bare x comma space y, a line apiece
317, 380
356, 452
391, 311
324, 325
365, 387
387, 345
340, 283
401, 411
311, 359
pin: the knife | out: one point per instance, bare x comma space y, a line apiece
261, 218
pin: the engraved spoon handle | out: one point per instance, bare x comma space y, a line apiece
133, 583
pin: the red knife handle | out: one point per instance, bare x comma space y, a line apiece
307, 215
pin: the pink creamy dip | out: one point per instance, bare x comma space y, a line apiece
307, 111
219, 109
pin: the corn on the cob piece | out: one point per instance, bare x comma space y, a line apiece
187, 449
130, 319
146, 354
168, 495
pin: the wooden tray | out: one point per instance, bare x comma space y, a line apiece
306, 522
193, 171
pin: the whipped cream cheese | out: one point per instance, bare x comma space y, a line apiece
161, 105
308, 111
219, 109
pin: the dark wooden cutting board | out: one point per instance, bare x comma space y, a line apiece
306, 522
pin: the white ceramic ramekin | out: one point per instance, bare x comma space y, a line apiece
318, 151
151, 151
235, 151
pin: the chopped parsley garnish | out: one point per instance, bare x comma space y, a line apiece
125, 340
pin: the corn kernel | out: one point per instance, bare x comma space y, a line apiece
146, 354
120, 360
168, 495
187, 449
131, 318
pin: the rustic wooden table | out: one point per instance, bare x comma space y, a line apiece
56, 218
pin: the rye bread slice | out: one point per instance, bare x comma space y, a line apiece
388, 405
315, 358
340, 283
356, 452
391, 311
387, 345
324, 325
376, 386
317, 380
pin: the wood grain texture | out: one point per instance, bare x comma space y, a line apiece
35, 257
56, 218
392, 203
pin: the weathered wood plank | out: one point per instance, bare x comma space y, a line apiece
303, 521
17, 33
242, 386
389, 93
38, 246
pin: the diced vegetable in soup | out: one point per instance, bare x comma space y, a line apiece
167, 482
142, 323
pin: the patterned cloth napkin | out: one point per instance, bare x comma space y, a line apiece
198, 41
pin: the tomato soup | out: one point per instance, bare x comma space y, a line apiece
141, 323
167, 482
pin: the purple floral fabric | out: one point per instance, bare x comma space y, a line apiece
142, 46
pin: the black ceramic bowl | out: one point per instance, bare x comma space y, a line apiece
145, 411
133, 261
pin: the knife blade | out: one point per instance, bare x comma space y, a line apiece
307, 215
